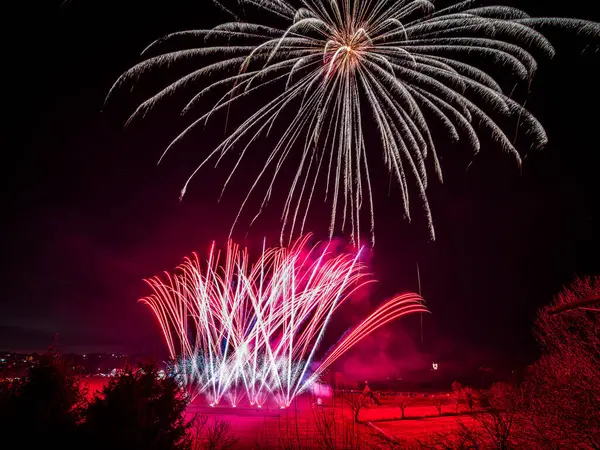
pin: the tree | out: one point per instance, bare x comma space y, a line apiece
457, 391
437, 402
356, 403
557, 404
496, 427
403, 403
468, 393
198, 430
138, 409
219, 436
456, 387
484, 399
564, 385
46, 407
499, 420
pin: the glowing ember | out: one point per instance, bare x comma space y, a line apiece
239, 330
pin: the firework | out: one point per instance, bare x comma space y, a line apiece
331, 62
236, 330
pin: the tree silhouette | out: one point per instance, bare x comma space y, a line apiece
403, 403
437, 402
45, 408
138, 409
564, 385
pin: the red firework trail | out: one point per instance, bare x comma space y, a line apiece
238, 330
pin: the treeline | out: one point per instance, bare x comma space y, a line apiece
135, 410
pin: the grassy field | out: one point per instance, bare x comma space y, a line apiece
420, 429
304, 425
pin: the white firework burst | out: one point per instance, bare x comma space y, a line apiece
340, 64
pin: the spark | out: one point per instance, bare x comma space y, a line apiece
234, 330
332, 62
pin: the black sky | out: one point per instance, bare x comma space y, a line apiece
88, 214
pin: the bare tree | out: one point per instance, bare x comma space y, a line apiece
456, 387
564, 385
494, 427
326, 429
437, 402
457, 391
219, 435
499, 422
335, 432
287, 434
198, 428
261, 440
558, 404
468, 394
356, 403
403, 403
463, 438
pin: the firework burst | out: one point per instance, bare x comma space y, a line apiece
338, 64
236, 330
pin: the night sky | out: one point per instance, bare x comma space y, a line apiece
88, 214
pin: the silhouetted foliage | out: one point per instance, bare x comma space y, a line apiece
557, 405
198, 429
138, 410
215, 436
494, 427
457, 391
456, 387
564, 385
484, 400
500, 421
45, 408
469, 396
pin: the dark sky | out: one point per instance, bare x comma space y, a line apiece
88, 214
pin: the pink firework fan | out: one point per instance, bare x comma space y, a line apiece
237, 330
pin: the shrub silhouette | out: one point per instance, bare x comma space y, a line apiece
138, 409
43, 409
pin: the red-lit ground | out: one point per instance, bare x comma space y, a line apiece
422, 428
270, 424
267, 426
